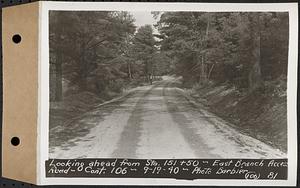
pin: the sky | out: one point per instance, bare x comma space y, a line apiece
143, 18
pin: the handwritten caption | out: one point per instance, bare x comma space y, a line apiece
251, 169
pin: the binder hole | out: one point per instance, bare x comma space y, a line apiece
15, 141
16, 38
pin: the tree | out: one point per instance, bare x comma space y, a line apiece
255, 78
241, 48
56, 36
144, 49
83, 42
186, 35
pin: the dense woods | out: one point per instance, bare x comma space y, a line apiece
243, 49
235, 63
83, 49
100, 51
97, 55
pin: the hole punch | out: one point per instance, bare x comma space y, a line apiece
15, 141
17, 38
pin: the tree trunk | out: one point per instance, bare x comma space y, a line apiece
203, 69
148, 71
129, 70
203, 73
58, 77
209, 73
204, 65
207, 26
83, 69
58, 64
255, 78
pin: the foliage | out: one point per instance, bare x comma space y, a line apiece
101, 51
143, 49
226, 47
88, 47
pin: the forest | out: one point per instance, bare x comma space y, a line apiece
244, 49
99, 54
102, 51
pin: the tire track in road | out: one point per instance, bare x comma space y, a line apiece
161, 137
128, 143
189, 133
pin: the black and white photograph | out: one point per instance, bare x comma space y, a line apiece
168, 84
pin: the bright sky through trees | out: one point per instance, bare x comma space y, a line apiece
144, 18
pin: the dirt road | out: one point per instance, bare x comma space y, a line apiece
157, 121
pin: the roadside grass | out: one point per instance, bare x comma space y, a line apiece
77, 103
261, 114
70, 107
